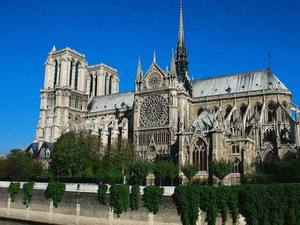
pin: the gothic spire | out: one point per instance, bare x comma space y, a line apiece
139, 72
181, 27
154, 57
181, 50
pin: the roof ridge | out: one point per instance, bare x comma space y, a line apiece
115, 94
230, 74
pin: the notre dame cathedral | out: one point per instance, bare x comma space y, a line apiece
244, 117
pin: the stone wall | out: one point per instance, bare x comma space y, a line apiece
82, 208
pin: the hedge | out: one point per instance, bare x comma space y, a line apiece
276, 204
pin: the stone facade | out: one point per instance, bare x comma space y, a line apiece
244, 117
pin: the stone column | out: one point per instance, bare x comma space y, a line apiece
64, 73
150, 218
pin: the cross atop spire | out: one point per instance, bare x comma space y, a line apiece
181, 26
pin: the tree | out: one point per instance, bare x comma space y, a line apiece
19, 165
189, 171
74, 155
221, 168
161, 170
140, 169
173, 172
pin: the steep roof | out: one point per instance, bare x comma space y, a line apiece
236, 83
109, 102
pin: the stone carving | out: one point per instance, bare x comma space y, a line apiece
154, 111
154, 81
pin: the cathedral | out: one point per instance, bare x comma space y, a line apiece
244, 117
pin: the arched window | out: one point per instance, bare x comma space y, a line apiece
91, 85
284, 116
200, 111
272, 111
237, 166
110, 85
257, 110
55, 73
96, 85
243, 110
76, 76
200, 155
228, 110
105, 84
71, 71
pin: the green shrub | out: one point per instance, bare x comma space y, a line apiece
189, 171
221, 168
13, 190
276, 204
152, 197
27, 193
140, 170
134, 197
102, 194
119, 198
187, 202
55, 191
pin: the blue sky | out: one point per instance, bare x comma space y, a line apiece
223, 36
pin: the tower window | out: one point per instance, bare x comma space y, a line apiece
55, 73
96, 85
110, 85
71, 70
76, 76
91, 85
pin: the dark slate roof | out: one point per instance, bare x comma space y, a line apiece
109, 102
236, 83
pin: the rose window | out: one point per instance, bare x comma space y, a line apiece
154, 80
154, 111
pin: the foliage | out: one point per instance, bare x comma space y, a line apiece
55, 191
189, 171
74, 155
161, 169
134, 197
221, 168
102, 194
119, 198
273, 204
152, 197
164, 169
13, 190
173, 172
20, 166
256, 178
276, 204
27, 193
140, 169
187, 201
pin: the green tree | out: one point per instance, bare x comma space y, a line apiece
189, 171
173, 172
74, 155
140, 169
19, 165
161, 169
221, 168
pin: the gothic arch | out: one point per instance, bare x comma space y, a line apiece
258, 109
199, 153
237, 165
272, 116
